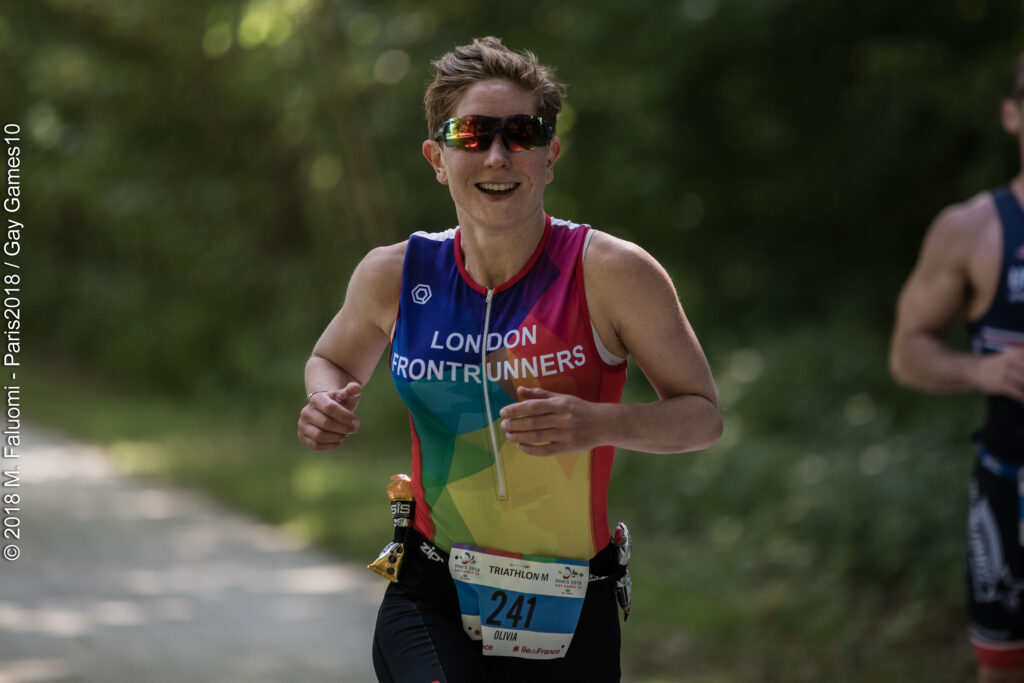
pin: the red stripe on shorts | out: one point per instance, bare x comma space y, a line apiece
994, 656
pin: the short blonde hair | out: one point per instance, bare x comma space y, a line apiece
484, 59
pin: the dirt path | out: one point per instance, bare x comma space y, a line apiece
124, 580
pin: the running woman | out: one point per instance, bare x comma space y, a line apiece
508, 338
972, 264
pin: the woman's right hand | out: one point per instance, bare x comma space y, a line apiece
329, 417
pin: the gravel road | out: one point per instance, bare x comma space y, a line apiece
125, 580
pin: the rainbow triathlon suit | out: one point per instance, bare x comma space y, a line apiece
459, 352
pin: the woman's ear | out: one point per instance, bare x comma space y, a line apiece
1011, 117
554, 151
432, 153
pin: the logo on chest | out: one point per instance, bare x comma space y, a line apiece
1015, 284
421, 294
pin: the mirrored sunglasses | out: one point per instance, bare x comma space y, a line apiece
520, 132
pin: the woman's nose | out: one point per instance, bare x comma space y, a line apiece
497, 153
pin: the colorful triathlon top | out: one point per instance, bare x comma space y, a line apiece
470, 484
1002, 326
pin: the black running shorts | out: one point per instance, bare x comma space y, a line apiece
995, 563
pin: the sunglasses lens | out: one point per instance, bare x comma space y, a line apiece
523, 132
470, 132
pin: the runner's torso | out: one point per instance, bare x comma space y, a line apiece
1002, 326
472, 486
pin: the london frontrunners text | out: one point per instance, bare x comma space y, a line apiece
544, 365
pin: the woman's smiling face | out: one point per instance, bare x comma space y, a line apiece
494, 187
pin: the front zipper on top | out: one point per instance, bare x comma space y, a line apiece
502, 493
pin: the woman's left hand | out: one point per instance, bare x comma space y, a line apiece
546, 423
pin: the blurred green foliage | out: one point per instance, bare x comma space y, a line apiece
200, 178
822, 537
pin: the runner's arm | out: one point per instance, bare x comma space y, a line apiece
348, 350
631, 298
931, 300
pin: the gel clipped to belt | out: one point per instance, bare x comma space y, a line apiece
389, 562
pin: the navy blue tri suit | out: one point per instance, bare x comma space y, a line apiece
995, 529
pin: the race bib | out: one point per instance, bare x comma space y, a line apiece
519, 606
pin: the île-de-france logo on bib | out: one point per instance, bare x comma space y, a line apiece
421, 294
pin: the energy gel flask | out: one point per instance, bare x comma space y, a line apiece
389, 562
